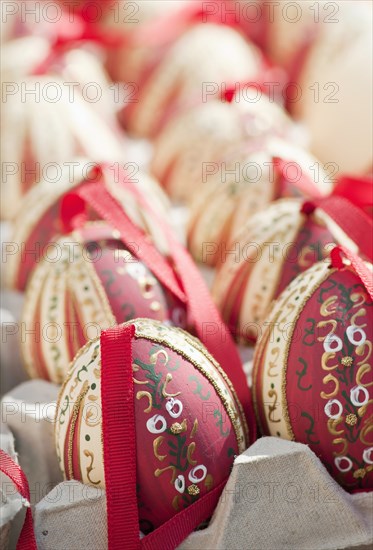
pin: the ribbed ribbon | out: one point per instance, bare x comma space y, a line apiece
119, 437
119, 450
11, 469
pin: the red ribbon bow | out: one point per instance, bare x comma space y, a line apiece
187, 285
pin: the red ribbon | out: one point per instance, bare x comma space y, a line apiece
72, 34
268, 75
119, 448
105, 205
346, 206
119, 437
11, 469
188, 287
168, 27
304, 183
364, 273
358, 190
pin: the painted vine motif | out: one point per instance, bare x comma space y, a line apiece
340, 430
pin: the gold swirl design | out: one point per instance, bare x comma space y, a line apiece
156, 444
165, 384
366, 429
190, 451
272, 364
360, 350
194, 343
332, 425
326, 380
175, 502
325, 358
363, 370
209, 482
154, 357
361, 313
341, 441
89, 422
194, 429
141, 394
90, 467
272, 408
158, 472
355, 299
327, 307
321, 324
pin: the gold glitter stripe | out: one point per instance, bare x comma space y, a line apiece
307, 297
74, 418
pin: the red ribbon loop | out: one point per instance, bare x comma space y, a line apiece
364, 273
100, 200
11, 469
358, 190
353, 221
304, 183
188, 286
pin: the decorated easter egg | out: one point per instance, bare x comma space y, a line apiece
87, 281
45, 133
189, 422
127, 62
335, 103
312, 377
38, 220
244, 184
194, 69
268, 253
192, 145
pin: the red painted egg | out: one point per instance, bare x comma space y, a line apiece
189, 422
38, 222
313, 371
270, 250
89, 282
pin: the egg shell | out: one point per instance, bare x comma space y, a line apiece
270, 251
189, 423
246, 183
312, 371
44, 134
90, 282
195, 140
38, 221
